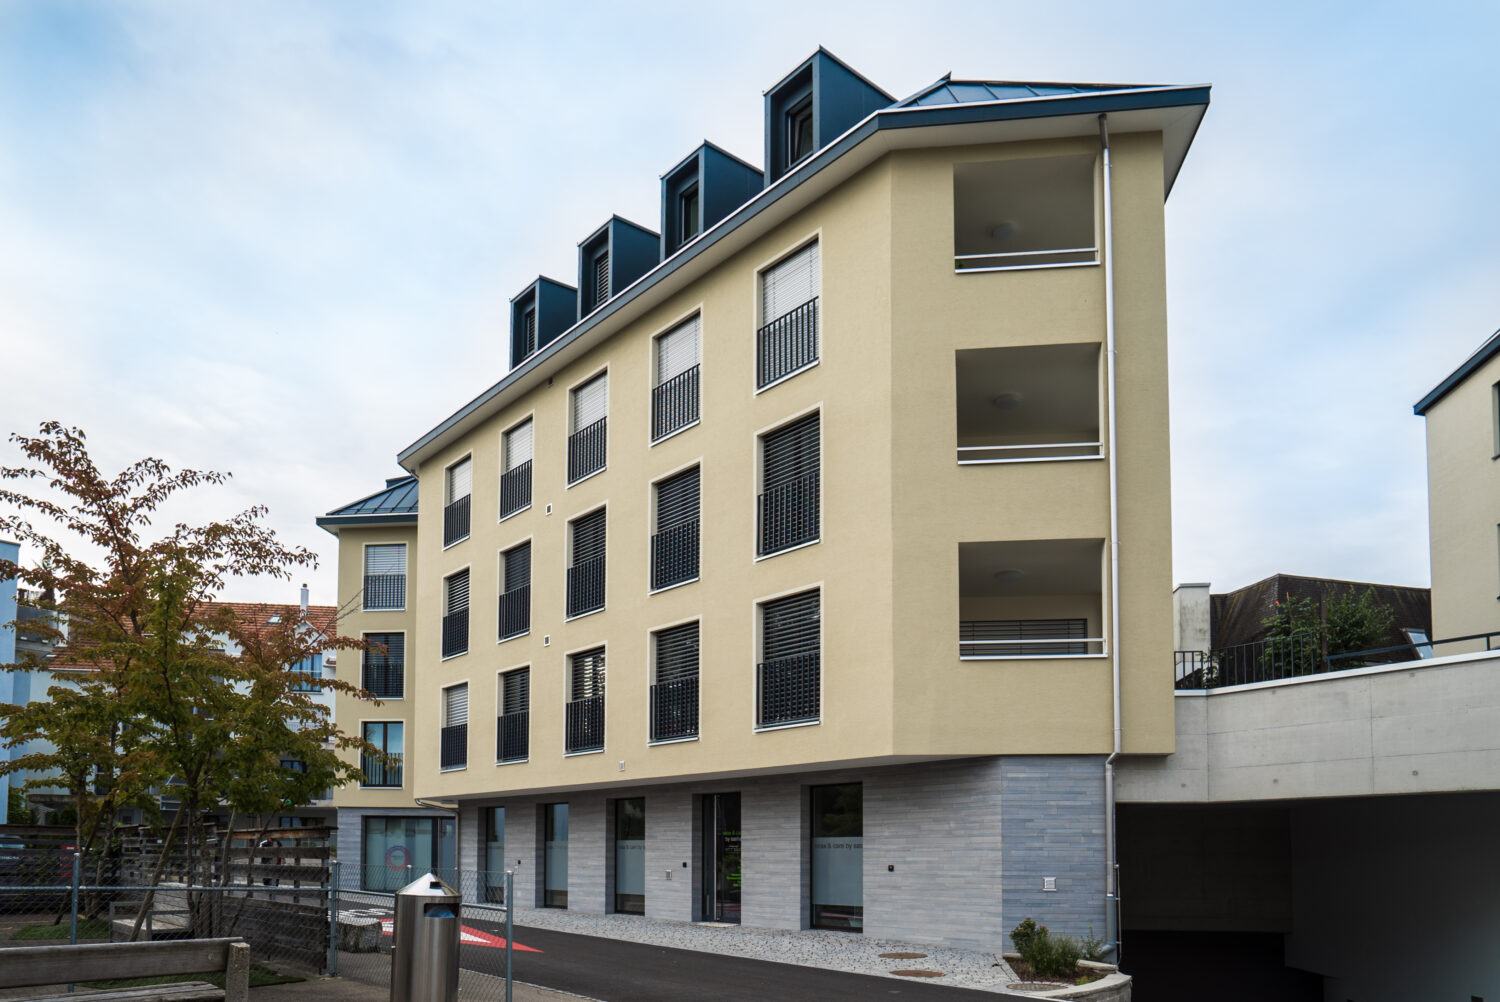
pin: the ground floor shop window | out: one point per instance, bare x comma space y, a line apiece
398, 850
494, 855
555, 856
838, 828
630, 856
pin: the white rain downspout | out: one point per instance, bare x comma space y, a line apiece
1111, 866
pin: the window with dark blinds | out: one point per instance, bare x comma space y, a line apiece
456, 705
385, 576
790, 452
790, 626
588, 537
384, 669
517, 567
458, 592
515, 691
587, 676
677, 500
788, 506
677, 653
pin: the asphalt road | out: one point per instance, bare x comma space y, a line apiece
615, 971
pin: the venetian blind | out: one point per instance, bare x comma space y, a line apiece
456, 705
788, 284
517, 446
677, 350
590, 402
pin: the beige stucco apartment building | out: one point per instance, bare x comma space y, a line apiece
812, 562
1463, 498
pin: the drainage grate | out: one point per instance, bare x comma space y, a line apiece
919, 974
904, 956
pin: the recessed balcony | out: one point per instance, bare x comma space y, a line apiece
1030, 213
1028, 599
1028, 404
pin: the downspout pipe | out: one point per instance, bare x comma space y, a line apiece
1111, 864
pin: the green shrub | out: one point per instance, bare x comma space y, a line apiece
1048, 956
1092, 946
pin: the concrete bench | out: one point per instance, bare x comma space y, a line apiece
30, 966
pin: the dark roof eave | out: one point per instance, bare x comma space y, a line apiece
1486, 351
332, 523
1064, 105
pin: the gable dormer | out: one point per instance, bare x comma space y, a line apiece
613, 256
812, 106
700, 190
538, 314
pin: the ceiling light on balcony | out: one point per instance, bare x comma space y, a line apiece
1007, 401
1004, 230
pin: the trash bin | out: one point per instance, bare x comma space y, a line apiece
424, 966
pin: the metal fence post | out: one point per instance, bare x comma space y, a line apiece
510, 930
73, 917
334, 872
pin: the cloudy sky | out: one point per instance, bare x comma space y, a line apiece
279, 238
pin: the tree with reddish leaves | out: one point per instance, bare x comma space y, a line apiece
148, 695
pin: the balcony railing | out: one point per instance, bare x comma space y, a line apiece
1043, 638
674, 404
515, 489
674, 555
1062, 257
378, 772
454, 746
975, 455
383, 678
586, 450
385, 591
787, 690
586, 587
512, 736
456, 521
788, 514
585, 724
515, 612
1278, 658
787, 344
674, 709
456, 632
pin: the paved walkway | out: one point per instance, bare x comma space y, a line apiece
348, 990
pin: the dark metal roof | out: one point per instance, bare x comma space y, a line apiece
1486, 351
1238, 617
947, 91
396, 502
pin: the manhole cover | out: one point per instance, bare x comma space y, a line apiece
919, 974
903, 956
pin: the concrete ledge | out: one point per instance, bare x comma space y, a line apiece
1113, 987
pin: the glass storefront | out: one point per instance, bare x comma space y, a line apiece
838, 885
721, 857
630, 856
494, 855
397, 850
555, 856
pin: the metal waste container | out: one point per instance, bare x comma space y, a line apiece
424, 966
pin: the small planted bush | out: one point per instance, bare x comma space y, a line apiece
1047, 955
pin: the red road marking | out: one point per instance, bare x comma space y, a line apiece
467, 936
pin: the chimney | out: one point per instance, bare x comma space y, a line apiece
304, 599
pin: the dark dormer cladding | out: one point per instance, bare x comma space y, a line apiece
812, 106
700, 190
542, 311
613, 256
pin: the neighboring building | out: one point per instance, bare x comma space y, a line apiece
1212, 622
381, 828
788, 586
1463, 497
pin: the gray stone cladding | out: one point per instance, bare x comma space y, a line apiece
351, 838
1053, 807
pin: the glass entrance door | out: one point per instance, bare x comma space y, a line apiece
555, 856
838, 829
721, 857
630, 856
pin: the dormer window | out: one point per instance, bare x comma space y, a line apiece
687, 214
538, 315
613, 256
799, 131
704, 187
601, 277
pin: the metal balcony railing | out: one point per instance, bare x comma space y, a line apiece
674, 555
586, 587
385, 591
788, 514
586, 450
515, 612
378, 772
454, 746
674, 709
674, 404
1279, 658
515, 489
787, 343
512, 736
1040, 638
787, 690
585, 724
1061, 257
456, 521
1037, 452
383, 677
456, 632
